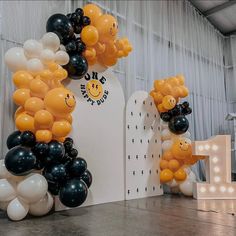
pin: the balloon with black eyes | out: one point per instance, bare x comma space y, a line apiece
177, 122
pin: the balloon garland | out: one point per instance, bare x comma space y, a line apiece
41, 161
176, 145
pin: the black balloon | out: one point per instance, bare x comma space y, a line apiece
79, 11
60, 25
55, 173
39, 165
187, 110
73, 193
71, 46
20, 161
77, 66
165, 116
178, 124
77, 167
56, 151
69, 139
75, 18
77, 28
185, 104
73, 153
28, 139
40, 149
14, 139
177, 110
86, 21
53, 187
87, 178
68, 146
80, 46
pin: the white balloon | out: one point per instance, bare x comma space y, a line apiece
166, 145
165, 134
15, 59
172, 183
186, 134
4, 173
61, 58
51, 41
186, 187
17, 209
7, 190
47, 56
32, 48
42, 207
34, 66
62, 48
32, 188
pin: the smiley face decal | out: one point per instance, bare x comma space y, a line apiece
94, 89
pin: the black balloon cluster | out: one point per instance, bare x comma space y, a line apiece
66, 174
67, 28
177, 122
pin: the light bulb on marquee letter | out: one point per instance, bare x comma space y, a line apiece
218, 183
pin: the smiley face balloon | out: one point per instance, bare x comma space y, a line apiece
107, 28
181, 149
60, 102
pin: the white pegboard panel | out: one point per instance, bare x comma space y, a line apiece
98, 133
143, 147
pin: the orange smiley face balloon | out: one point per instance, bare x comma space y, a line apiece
107, 27
181, 149
60, 102
168, 102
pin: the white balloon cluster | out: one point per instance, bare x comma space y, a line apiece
186, 186
22, 194
35, 55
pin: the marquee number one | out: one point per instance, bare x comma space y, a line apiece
218, 183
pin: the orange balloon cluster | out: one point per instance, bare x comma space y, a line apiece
174, 161
167, 92
100, 37
45, 106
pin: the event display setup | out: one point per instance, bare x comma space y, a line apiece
78, 142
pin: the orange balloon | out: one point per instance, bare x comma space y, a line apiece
61, 139
183, 91
161, 108
191, 160
163, 164
177, 91
60, 102
61, 128
157, 97
38, 88
89, 35
152, 93
69, 118
181, 79
180, 175
166, 176
43, 136
43, 119
167, 155
60, 74
19, 111
173, 165
33, 104
93, 12
20, 96
107, 28
25, 122
168, 102
158, 84
166, 89
22, 79
181, 149
107, 61
173, 81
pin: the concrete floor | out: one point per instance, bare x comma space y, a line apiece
165, 215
